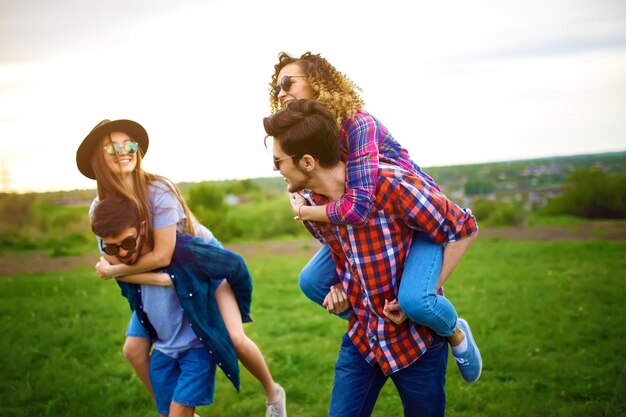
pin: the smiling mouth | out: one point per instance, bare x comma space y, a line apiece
126, 258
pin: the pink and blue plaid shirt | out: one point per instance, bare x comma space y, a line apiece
365, 142
370, 260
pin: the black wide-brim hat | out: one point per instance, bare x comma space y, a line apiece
85, 150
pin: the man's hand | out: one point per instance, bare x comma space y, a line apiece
393, 311
336, 301
103, 268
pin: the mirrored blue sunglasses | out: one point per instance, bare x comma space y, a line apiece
116, 148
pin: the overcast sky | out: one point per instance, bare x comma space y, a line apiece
456, 82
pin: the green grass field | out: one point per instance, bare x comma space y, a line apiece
548, 317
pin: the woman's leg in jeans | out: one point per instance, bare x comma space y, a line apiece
318, 276
417, 294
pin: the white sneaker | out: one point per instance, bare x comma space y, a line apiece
277, 408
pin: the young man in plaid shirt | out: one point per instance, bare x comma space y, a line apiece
379, 343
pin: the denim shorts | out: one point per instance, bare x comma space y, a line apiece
135, 328
187, 380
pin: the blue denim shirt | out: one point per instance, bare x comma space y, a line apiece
194, 264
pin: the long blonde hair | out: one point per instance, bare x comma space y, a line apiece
332, 88
110, 184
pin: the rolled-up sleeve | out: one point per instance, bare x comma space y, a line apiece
355, 205
427, 210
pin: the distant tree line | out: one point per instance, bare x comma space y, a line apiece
259, 209
592, 193
33, 221
242, 210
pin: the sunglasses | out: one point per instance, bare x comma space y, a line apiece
128, 244
285, 83
116, 148
277, 161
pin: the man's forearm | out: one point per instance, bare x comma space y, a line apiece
160, 279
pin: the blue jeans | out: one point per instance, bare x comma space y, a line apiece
317, 276
417, 295
420, 385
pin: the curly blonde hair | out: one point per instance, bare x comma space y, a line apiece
332, 88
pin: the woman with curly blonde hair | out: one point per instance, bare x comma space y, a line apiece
365, 142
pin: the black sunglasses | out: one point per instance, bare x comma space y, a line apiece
277, 161
285, 83
130, 243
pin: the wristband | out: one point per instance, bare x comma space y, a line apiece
300, 208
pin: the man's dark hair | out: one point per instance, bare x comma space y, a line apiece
113, 215
306, 127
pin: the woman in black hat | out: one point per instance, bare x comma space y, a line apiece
112, 154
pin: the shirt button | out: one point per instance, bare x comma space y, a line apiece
139, 290
190, 294
219, 364
210, 352
172, 276
200, 338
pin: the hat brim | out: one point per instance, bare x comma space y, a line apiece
86, 148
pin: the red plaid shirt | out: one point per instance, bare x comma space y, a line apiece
370, 260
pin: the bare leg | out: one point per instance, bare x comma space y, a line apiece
457, 337
178, 410
249, 353
137, 352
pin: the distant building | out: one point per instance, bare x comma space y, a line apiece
231, 200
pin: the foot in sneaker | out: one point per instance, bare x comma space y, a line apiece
469, 362
277, 408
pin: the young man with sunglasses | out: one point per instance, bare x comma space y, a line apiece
184, 320
380, 343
